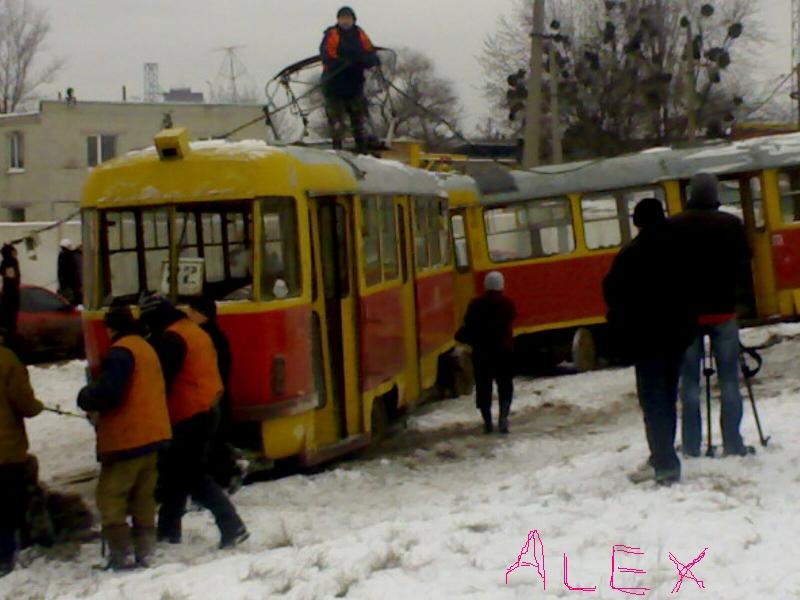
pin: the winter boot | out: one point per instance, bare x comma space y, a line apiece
236, 537
502, 422
6, 567
118, 538
144, 541
171, 533
486, 413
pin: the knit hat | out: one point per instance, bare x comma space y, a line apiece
120, 319
704, 191
494, 282
66, 243
648, 212
346, 11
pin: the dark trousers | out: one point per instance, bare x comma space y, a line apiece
183, 471
336, 109
657, 387
487, 369
13, 498
221, 457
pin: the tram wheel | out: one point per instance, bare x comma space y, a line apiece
584, 350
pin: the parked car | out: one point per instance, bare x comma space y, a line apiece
47, 326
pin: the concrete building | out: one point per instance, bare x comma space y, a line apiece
45, 155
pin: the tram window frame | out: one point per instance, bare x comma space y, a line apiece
432, 237
751, 203
791, 196
380, 257
90, 239
288, 242
530, 229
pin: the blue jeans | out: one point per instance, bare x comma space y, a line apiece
657, 388
725, 346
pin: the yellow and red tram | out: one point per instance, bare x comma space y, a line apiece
332, 273
554, 231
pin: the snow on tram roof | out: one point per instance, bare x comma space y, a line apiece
645, 168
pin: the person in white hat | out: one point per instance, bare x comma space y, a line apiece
488, 328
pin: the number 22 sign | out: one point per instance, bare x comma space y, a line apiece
191, 273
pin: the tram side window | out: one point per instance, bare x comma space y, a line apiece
218, 237
603, 221
371, 236
431, 233
460, 242
389, 260
280, 260
536, 229
789, 185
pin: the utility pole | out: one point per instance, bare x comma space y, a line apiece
533, 107
555, 109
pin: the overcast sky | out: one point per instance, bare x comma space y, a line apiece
106, 42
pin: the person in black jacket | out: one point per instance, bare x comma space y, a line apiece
9, 304
488, 329
70, 285
652, 321
222, 458
346, 52
716, 259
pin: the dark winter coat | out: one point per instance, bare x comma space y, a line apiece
69, 275
650, 305
714, 254
346, 54
488, 325
17, 402
9, 304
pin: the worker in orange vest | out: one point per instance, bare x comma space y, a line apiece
194, 385
132, 425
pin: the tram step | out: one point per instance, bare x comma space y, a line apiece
345, 446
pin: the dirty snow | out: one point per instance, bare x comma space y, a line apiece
441, 511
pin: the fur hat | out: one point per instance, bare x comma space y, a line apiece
346, 11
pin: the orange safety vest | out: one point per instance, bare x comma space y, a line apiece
198, 385
141, 418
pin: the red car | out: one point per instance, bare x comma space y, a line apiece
47, 326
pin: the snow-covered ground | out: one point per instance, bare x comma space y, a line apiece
441, 511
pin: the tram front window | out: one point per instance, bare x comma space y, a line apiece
134, 248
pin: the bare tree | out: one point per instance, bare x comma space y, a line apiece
624, 67
421, 104
23, 31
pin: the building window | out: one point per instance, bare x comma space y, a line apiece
16, 151
16, 215
100, 148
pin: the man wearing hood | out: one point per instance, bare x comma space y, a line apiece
652, 322
346, 52
716, 253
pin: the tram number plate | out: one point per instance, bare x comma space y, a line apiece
190, 276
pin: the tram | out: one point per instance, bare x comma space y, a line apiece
554, 231
333, 276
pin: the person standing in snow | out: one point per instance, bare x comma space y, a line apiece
488, 328
222, 459
17, 403
717, 257
69, 273
194, 385
132, 426
652, 321
346, 52
9, 304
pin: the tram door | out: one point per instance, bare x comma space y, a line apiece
335, 305
405, 240
464, 277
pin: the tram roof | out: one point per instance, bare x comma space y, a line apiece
644, 168
222, 170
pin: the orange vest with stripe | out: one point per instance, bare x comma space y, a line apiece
141, 418
198, 384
